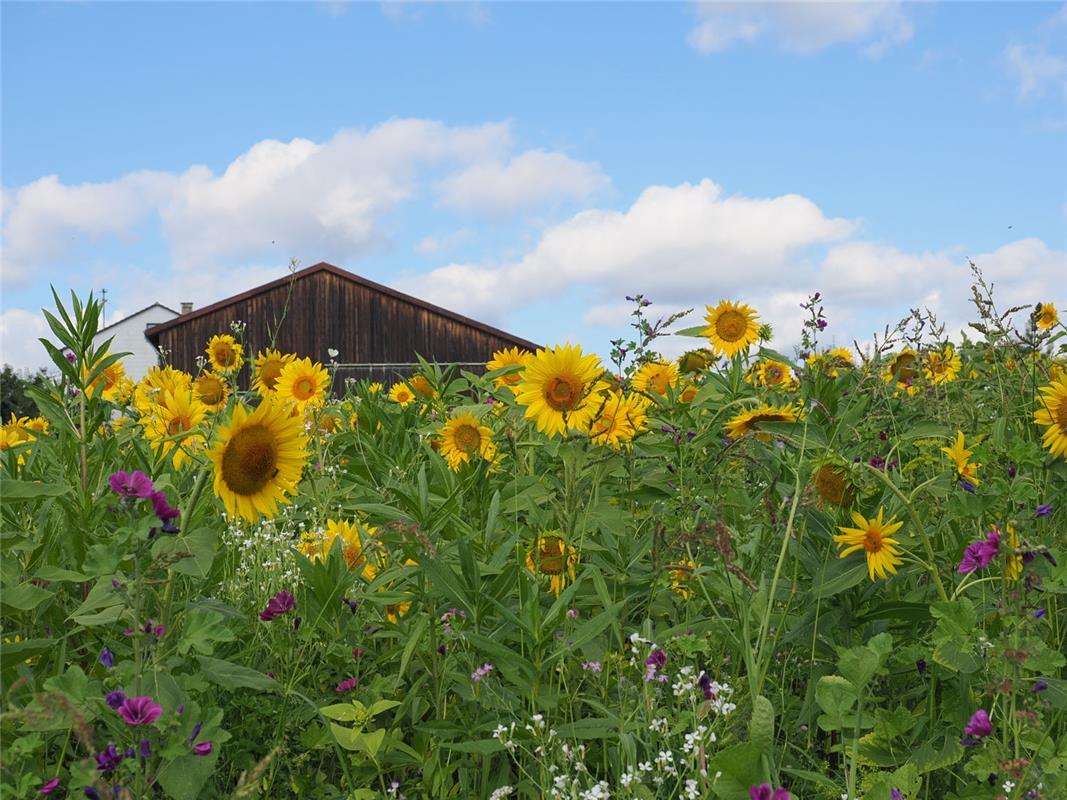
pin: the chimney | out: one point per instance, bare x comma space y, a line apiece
187, 308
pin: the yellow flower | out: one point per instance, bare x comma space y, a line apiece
745, 422
833, 362
655, 377
258, 459
269, 365
36, 424
875, 537
303, 383
561, 389
681, 574
394, 611
463, 437
552, 556
942, 366
961, 456
156, 382
420, 385
1013, 562
401, 394
696, 361
619, 419
317, 545
225, 353
109, 383
374, 388
688, 392
1047, 316
212, 390
508, 357
902, 370
1052, 414
732, 328
774, 374
178, 413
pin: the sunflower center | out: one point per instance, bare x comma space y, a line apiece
937, 365
250, 460
269, 372
177, 425
562, 392
551, 557
872, 541
902, 367
1061, 415
211, 392
467, 438
225, 355
303, 389
731, 326
774, 374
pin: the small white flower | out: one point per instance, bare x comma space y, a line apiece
1008, 786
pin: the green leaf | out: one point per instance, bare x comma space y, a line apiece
234, 676
835, 696
697, 331
195, 552
342, 712
589, 728
761, 725
12, 490
184, 778
839, 575
482, 747
741, 767
24, 597
203, 629
379, 706
13, 652
58, 575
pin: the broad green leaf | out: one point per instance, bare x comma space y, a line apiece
234, 676
12, 490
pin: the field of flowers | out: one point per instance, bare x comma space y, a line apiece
733, 575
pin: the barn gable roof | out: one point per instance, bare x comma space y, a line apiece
322, 267
128, 317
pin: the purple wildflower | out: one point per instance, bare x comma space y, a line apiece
592, 666
977, 728
347, 685
139, 711
1011, 471
196, 730
107, 658
877, 462
764, 792
69, 355
967, 486
135, 484
91, 793
572, 613
49, 787
146, 749
115, 699
1039, 686
978, 555
482, 672
1039, 613
1043, 511
108, 759
202, 749
895, 794
920, 665
162, 508
281, 603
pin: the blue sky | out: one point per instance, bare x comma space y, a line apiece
531, 164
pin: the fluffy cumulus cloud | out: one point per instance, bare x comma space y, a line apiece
295, 196
1039, 64
801, 27
19, 332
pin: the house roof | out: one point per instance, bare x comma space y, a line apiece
128, 317
322, 266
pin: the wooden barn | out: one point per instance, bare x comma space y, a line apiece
376, 331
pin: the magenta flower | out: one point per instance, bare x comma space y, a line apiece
135, 484
139, 711
282, 603
49, 787
765, 792
978, 555
108, 758
162, 508
115, 699
977, 728
347, 685
202, 749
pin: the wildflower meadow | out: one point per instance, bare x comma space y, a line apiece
740, 574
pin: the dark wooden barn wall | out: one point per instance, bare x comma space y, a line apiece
326, 311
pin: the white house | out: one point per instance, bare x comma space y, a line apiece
129, 337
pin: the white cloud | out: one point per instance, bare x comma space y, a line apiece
672, 243
801, 27
438, 245
1032, 66
19, 331
529, 179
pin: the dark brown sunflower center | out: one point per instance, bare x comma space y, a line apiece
562, 392
1061, 415
551, 557
731, 326
211, 392
872, 542
268, 374
225, 355
831, 486
250, 460
467, 438
303, 389
903, 367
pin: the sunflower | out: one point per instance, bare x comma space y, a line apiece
696, 361
36, 424
374, 388
561, 389
745, 422
108, 382
463, 437
1052, 413
258, 459
655, 377
1013, 563
303, 383
942, 366
681, 574
902, 370
327, 422
317, 545
876, 538
732, 328
961, 456
833, 485
619, 419
394, 611
1046, 315
156, 382
269, 365
226, 354
552, 556
508, 357
401, 394
688, 392
833, 362
212, 390
774, 374
177, 413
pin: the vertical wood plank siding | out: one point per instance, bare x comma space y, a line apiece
326, 310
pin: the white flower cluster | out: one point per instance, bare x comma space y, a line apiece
501, 793
264, 555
